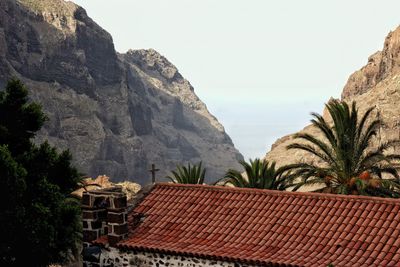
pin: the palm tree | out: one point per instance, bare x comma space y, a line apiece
350, 165
188, 175
258, 174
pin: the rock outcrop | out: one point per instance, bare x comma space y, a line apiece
382, 65
375, 85
117, 113
103, 182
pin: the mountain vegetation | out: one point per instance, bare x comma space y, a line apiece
40, 222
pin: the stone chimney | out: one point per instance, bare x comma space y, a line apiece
104, 212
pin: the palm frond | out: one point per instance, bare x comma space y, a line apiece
346, 152
188, 175
257, 174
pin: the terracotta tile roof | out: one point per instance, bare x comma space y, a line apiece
264, 227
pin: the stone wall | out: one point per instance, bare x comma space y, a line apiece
116, 258
104, 212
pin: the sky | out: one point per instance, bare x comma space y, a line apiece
260, 66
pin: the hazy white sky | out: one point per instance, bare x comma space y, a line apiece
260, 66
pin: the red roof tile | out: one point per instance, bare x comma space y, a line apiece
262, 226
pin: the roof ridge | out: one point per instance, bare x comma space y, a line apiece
283, 193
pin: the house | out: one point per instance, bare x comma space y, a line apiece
200, 225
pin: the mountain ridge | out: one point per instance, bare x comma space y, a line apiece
117, 113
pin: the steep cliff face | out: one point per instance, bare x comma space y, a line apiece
375, 85
117, 113
381, 66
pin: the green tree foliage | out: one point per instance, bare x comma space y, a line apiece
188, 175
19, 120
40, 222
258, 174
349, 164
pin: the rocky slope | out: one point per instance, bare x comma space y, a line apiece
117, 113
103, 181
375, 85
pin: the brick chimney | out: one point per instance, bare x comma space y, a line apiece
104, 212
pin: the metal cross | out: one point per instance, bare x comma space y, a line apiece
153, 171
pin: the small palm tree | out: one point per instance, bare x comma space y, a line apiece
188, 175
350, 165
258, 174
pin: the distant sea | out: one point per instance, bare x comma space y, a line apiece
255, 124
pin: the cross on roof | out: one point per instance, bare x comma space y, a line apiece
153, 171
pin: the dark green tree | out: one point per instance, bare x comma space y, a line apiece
40, 221
348, 162
188, 175
19, 120
258, 174
12, 211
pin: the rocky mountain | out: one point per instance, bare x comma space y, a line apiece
377, 84
117, 113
